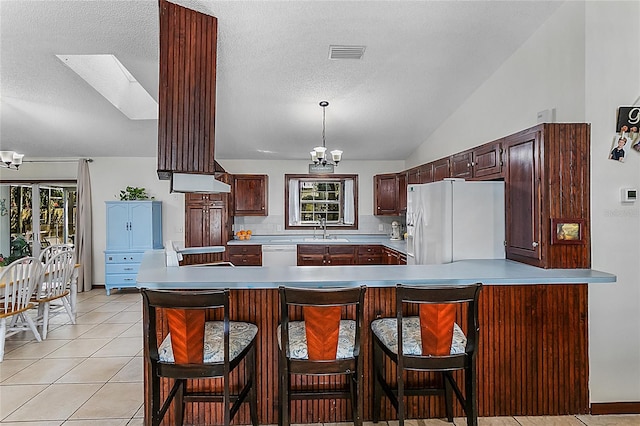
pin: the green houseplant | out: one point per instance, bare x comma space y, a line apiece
131, 193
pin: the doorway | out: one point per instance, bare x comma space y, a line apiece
24, 234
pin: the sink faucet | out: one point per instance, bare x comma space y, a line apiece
323, 223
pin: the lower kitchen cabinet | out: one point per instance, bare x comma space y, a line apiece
370, 255
245, 255
326, 255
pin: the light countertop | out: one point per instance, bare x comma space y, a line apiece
154, 274
345, 239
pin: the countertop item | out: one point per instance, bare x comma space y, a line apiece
153, 274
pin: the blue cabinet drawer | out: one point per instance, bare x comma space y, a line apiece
115, 280
123, 257
122, 268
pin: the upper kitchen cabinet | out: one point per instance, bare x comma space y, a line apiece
420, 174
390, 194
480, 163
547, 186
250, 195
187, 91
441, 169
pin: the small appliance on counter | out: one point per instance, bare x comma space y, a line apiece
395, 231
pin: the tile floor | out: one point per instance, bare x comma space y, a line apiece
91, 373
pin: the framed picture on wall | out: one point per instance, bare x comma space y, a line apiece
567, 231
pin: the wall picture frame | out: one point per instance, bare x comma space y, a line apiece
567, 231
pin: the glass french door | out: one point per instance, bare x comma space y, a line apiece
23, 233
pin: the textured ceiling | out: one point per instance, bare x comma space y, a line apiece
422, 60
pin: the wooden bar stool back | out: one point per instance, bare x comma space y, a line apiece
432, 341
198, 349
326, 342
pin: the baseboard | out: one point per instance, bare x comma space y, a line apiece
601, 408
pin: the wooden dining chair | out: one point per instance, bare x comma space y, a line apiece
432, 341
53, 295
195, 349
18, 282
325, 341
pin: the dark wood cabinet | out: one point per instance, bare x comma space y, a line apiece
480, 163
547, 181
370, 255
487, 161
385, 194
390, 194
207, 223
413, 176
245, 255
250, 195
462, 165
441, 169
420, 174
326, 255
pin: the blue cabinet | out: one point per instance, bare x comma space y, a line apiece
132, 228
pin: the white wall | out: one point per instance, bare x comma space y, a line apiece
613, 80
546, 72
584, 61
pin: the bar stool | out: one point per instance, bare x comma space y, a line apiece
198, 349
326, 342
432, 341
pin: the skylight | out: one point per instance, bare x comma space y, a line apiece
111, 79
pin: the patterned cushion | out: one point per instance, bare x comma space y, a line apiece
386, 330
240, 336
298, 339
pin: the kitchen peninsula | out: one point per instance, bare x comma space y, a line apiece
533, 328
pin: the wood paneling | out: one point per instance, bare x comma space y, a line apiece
187, 91
532, 359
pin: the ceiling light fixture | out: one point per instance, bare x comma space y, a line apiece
10, 160
319, 153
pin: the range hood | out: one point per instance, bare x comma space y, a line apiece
203, 184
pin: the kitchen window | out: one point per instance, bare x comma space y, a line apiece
312, 199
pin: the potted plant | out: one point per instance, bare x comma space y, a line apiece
131, 193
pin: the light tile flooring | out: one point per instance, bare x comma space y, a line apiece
91, 373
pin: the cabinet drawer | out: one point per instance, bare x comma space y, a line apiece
375, 259
245, 260
244, 249
114, 280
340, 249
122, 268
124, 257
311, 249
369, 250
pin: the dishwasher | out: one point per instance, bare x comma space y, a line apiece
279, 255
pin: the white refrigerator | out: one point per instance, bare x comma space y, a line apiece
455, 220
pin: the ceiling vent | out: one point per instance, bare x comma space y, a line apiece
346, 52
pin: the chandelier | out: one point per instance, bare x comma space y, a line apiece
319, 153
10, 159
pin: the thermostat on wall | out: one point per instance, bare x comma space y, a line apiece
629, 195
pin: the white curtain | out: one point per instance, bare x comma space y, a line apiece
349, 207
294, 202
83, 239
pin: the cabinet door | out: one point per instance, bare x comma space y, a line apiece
461, 165
386, 194
487, 161
118, 235
426, 173
311, 255
140, 226
441, 169
206, 225
522, 198
402, 192
341, 255
250, 195
413, 176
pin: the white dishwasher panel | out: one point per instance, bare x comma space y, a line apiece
279, 255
